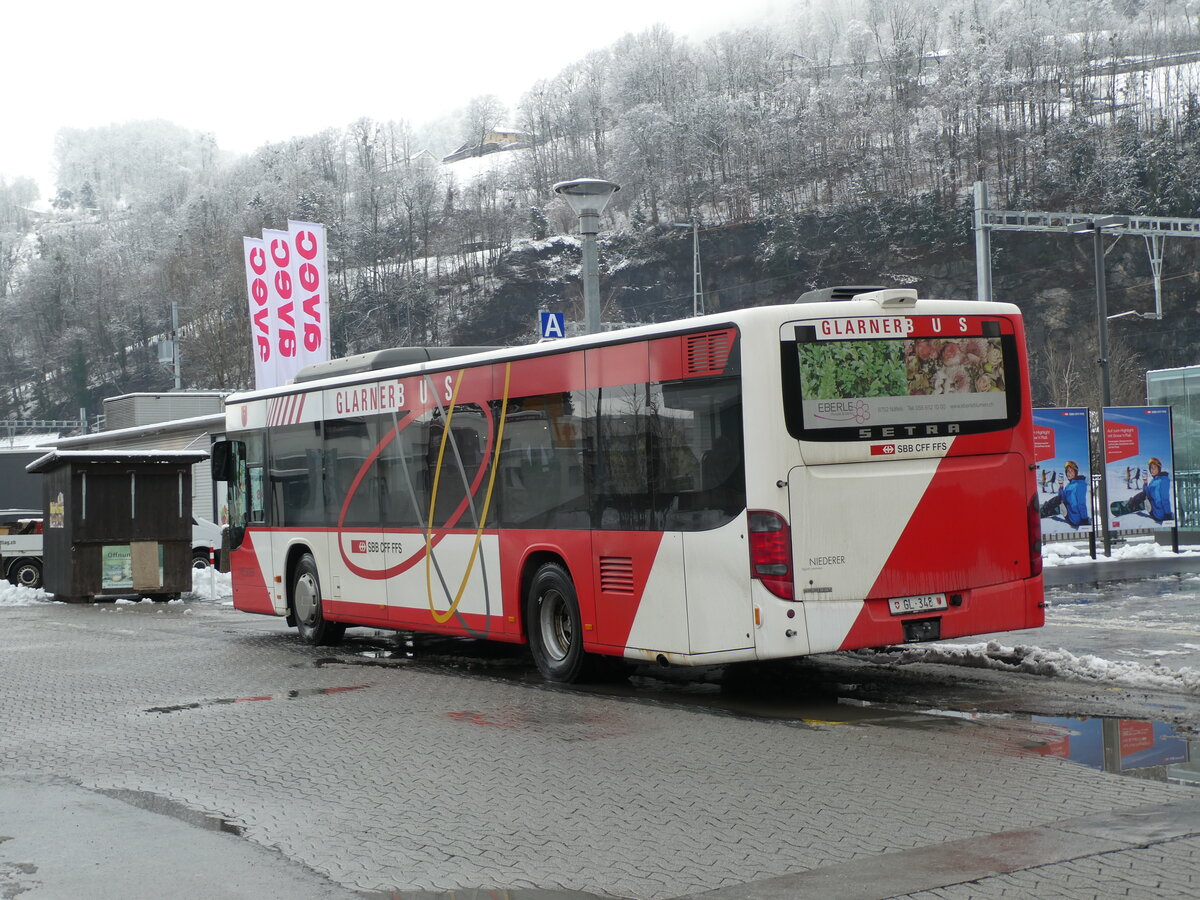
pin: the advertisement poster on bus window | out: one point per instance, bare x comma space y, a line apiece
1138, 464
1064, 476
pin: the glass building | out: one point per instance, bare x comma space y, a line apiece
1180, 389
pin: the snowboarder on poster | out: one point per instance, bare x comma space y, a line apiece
1072, 498
1157, 491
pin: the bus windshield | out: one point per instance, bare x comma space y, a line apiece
854, 379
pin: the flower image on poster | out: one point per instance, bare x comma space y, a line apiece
954, 366
1064, 477
1139, 461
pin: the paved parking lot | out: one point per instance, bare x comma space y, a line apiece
338, 775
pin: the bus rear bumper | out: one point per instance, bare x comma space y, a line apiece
1009, 606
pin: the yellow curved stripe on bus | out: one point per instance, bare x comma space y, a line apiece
443, 617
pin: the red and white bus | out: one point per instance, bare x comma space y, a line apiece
768, 483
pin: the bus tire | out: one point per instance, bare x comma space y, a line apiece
305, 601
553, 625
26, 573
200, 559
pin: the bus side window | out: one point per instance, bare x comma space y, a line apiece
540, 478
296, 475
624, 442
700, 420
402, 471
348, 445
455, 462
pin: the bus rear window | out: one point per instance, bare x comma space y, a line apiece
944, 376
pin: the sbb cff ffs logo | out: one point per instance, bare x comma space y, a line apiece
883, 449
358, 546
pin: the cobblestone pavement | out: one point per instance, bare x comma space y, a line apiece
398, 778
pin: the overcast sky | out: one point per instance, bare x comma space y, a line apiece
255, 71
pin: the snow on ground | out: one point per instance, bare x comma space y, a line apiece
1062, 553
208, 586
1049, 663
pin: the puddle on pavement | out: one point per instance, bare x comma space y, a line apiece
1136, 748
290, 695
158, 804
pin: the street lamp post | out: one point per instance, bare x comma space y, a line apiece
588, 197
1096, 229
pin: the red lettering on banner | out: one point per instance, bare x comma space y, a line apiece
312, 338
1120, 441
264, 352
260, 321
310, 278
283, 285
258, 291
280, 254
287, 343
1043, 443
306, 244
285, 313
258, 260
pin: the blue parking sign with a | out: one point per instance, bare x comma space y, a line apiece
552, 324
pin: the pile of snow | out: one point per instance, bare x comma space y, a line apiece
208, 586
1049, 663
15, 595
1068, 554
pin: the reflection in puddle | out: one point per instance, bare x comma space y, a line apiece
1151, 750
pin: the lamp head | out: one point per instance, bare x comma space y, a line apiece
587, 196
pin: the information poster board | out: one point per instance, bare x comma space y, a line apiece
1064, 476
1139, 461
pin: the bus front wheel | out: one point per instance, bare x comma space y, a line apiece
306, 606
553, 624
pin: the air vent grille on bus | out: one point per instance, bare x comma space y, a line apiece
616, 574
707, 353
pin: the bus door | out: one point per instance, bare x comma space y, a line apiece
357, 548
240, 463
637, 567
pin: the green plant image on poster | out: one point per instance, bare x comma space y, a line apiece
830, 370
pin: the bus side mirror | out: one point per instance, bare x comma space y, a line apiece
224, 453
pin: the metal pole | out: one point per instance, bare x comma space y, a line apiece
175, 354
983, 246
697, 281
1105, 385
589, 225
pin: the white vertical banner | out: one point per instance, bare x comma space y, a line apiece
281, 285
312, 290
258, 296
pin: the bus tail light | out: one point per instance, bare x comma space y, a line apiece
1035, 537
771, 553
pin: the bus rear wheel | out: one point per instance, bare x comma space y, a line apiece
553, 625
306, 606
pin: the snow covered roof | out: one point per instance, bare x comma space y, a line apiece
115, 457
